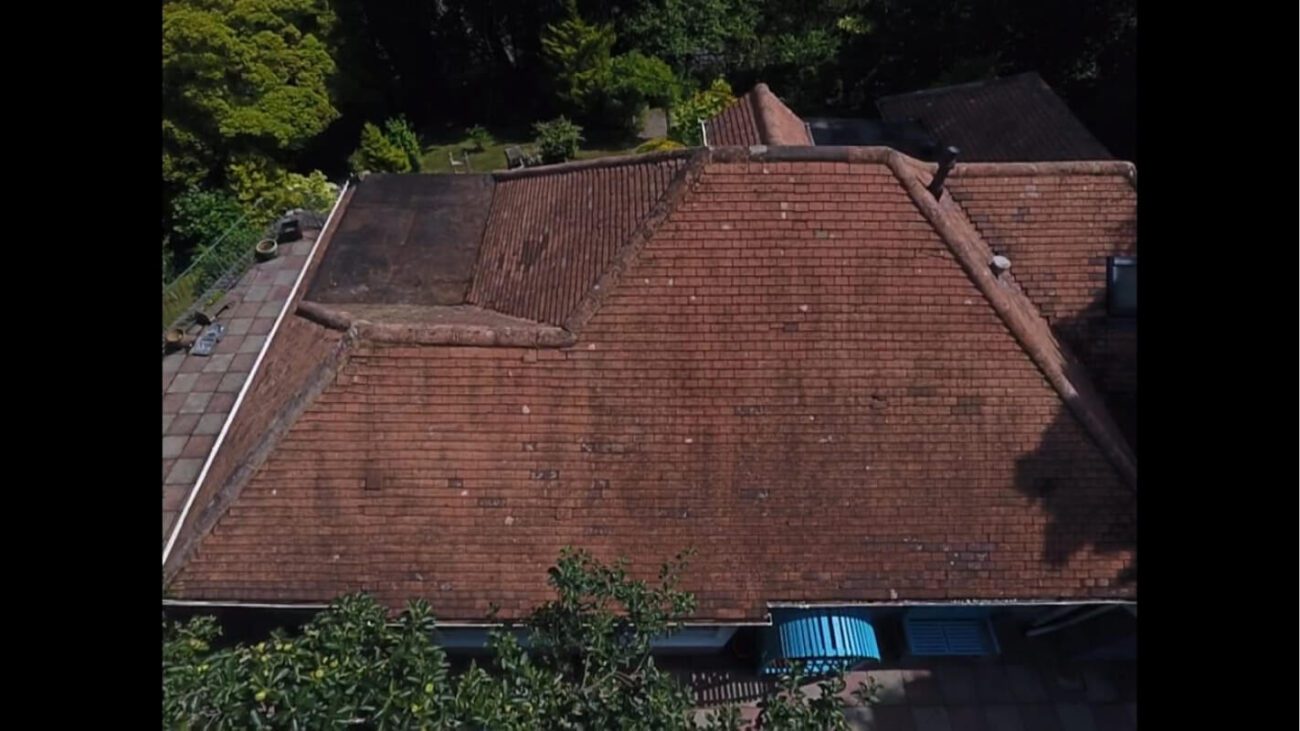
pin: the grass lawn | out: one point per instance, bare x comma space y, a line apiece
591, 153
440, 143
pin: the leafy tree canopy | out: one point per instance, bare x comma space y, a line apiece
400, 133
579, 54
717, 36
201, 217
587, 665
378, 153
242, 77
266, 190
684, 122
638, 79
604, 90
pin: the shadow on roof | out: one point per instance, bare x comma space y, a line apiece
1057, 477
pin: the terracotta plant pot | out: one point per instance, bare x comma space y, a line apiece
177, 339
265, 250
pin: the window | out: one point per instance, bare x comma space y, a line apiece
1121, 286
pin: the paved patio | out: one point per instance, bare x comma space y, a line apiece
199, 392
1026, 688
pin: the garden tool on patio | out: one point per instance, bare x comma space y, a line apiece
208, 340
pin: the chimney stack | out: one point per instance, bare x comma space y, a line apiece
947, 158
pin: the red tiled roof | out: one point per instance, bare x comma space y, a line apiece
1058, 224
1017, 118
805, 370
757, 118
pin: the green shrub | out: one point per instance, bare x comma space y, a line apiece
588, 666
659, 144
265, 190
636, 82
558, 139
400, 133
479, 138
167, 261
201, 216
311, 192
378, 154
607, 91
178, 295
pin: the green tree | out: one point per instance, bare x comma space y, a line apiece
684, 121
643, 78
349, 664
580, 661
833, 57
378, 153
697, 36
400, 133
167, 257
609, 91
479, 137
558, 139
202, 216
578, 54
241, 77
790, 709
637, 82
265, 190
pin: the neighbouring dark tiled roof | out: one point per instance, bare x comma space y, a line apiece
1013, 119
757, 118
805, 370
409, 239
908, 137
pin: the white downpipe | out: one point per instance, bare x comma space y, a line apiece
1049, 628
248, 382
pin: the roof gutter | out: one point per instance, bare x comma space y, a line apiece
467, 624
956, 603
248, 382
198, 603
1069, 622
1098, 604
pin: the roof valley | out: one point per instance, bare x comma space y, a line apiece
551, 231
626, 252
